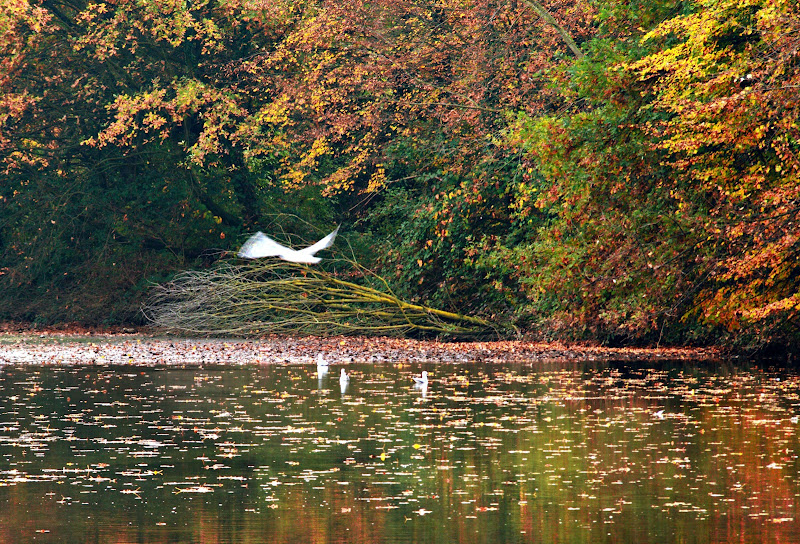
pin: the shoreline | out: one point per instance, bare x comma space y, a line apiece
137, 347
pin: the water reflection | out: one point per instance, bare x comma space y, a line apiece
506, 453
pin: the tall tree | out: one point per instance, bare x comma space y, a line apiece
671, 190
729, 90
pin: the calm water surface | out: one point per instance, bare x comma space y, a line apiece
526, 452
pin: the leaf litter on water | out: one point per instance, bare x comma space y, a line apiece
487, 440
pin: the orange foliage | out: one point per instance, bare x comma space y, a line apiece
730, 87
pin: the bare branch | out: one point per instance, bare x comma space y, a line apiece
275, 297
550, 20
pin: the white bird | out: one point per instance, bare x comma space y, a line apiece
322, 369
344, 379
423, 381
260, 245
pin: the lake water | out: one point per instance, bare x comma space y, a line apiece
524, 452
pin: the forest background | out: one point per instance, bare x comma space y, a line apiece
624, 172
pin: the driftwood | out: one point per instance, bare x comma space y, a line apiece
275, 297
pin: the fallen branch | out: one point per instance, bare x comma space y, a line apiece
276, 297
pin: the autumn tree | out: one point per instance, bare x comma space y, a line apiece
728, 90
671, 190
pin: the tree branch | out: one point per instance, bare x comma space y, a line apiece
550, 20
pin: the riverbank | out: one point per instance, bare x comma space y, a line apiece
74, 345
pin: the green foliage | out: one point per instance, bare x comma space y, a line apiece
610, 256
436, 234
602, 264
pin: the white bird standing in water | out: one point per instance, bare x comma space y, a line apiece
322, 369
260, 245
421, 384
344, 379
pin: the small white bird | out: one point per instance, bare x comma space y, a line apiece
344, 379
260, 245
423, 381
322, 369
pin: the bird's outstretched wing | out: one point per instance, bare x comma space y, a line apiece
322, 244
261, 245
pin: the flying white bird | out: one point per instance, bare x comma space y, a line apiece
260, 245
423, 381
